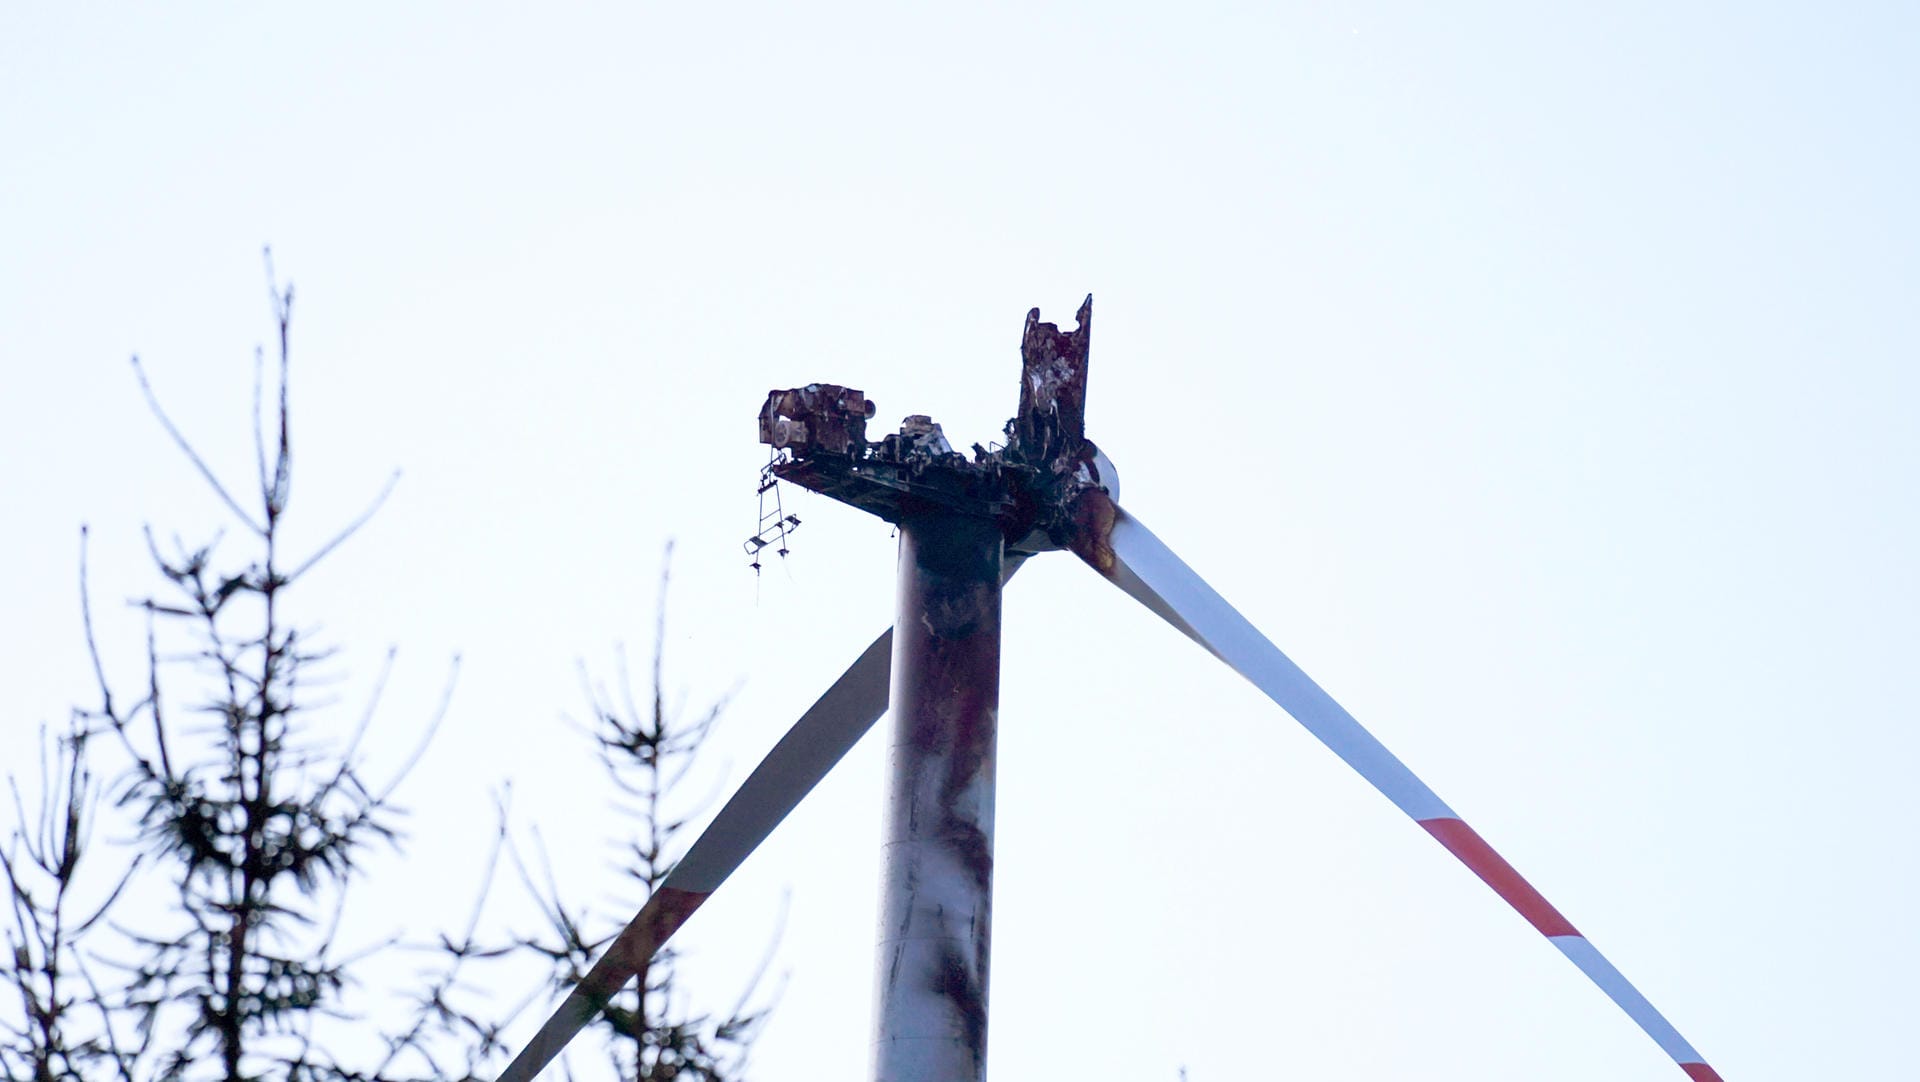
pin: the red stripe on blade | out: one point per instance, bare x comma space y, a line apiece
1700, 1072
1463, 842
633, 949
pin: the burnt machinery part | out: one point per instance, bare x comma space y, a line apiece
818, 417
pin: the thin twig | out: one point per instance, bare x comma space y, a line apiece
86, 622
153, 707
259, 437
351, 529
283, 465
426, 738
193, 456
359, 730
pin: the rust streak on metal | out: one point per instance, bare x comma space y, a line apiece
936, 912
956, 983
1091, 517
955, 669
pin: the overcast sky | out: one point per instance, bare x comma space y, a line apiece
1542, 381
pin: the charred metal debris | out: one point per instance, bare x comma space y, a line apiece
1044, 487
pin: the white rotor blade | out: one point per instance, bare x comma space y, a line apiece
821, 738
1149, 571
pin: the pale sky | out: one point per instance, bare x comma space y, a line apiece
1541, 381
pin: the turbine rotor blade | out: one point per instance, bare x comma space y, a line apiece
1148, 571
820, 739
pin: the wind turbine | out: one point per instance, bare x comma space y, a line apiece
966, 524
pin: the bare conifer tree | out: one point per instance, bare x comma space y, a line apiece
61, 1030
250, 820
647, 750
256, 818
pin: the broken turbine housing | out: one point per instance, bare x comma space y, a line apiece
1048, 488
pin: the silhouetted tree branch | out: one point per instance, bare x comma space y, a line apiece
250, 822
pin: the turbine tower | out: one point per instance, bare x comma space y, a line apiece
966, 523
